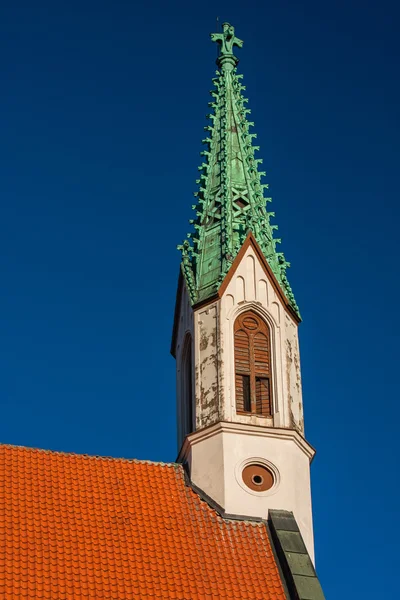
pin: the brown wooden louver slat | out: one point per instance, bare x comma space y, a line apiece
242, 366
263, 406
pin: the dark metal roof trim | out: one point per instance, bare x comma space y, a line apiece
298, 569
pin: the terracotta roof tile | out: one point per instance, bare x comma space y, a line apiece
77, 527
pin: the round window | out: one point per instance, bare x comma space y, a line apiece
258, 478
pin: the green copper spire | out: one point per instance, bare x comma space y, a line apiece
230, 200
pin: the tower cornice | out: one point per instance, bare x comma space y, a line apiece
248, 430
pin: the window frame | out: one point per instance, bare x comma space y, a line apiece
256, 325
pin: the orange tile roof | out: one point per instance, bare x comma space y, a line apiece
84, 527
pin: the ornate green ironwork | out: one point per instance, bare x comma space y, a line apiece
230, 198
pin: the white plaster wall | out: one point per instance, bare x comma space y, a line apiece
218, 456
206, 466
203, 326
293, 374
248, 289
207, 365
185, 327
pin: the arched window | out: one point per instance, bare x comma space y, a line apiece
187, 386
252, 365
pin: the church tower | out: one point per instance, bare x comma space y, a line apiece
235, 338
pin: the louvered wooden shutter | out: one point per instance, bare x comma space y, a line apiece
252, 365
242, 370
263, 405
261, 354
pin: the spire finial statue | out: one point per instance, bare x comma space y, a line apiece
227, 40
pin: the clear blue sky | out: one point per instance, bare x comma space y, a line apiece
102, 112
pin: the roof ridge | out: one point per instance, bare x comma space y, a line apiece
91, 456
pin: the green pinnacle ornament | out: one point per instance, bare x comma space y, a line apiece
230, 200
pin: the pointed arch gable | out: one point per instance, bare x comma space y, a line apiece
251, 241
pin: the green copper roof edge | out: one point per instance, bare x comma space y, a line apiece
298, 569
230, 199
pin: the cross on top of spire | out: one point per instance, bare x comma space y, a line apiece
226, 41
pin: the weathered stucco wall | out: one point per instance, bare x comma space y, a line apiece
293, 375
251, 289
207, 366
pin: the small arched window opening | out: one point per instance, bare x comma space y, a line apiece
252, 365
187, 386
